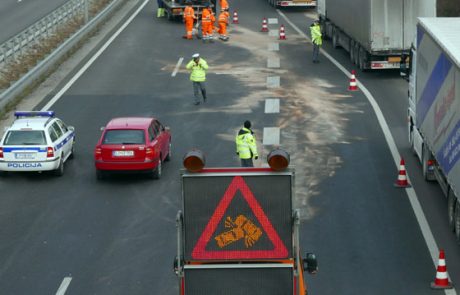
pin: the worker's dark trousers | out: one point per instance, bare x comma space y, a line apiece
246, 163
197, 87
315, 52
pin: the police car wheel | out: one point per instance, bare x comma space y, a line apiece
3, 173
60, 170
72, 151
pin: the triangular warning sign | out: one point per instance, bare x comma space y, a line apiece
200, 252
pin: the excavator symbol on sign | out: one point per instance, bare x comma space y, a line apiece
241, 228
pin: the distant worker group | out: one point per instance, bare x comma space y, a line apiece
192, 21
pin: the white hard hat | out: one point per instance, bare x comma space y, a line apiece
196, 55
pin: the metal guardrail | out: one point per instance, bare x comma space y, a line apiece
46, 64
41, 29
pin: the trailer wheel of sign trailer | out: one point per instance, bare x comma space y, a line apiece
238, 224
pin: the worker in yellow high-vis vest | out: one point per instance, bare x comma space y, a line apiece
317, 39
246, 147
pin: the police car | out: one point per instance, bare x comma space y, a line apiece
37, 141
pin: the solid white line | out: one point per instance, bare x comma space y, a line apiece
416, 207
272, 106
64, 285
176, 69
92, 60
271, 136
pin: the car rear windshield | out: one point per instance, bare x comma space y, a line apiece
21, 137
124, 137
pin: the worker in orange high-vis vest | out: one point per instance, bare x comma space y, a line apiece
213, 25
224, 5
223, 22
189, 19
206, 25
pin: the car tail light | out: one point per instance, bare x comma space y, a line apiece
98, 153
50, 152
430, 163
1, 153
149, 153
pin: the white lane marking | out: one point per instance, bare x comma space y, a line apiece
273, 46
64, 285
271, 136
272, 106
176, 69
93, 59
416, 207
273, 21
273, 33
273, 82
273, 62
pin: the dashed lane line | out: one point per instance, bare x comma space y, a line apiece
411, 194
176, 69
271, 136
93, 58
272, 106
273, 21
273, 46
64, 285
273, 33
273, 62
273, 82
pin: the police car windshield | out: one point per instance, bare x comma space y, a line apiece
20, 137
124, 137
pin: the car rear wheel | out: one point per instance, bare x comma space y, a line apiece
168, 156
157, 172
60, 170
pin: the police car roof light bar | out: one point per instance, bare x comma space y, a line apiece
23, 114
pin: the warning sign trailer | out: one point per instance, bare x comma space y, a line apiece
239, 234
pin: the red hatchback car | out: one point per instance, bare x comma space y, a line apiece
129, 144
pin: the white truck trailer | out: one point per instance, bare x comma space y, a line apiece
292, 3
375, 32
434, 107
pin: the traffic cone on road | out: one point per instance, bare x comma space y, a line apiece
402, 177
353, 86
264, 25
235, 17
441, 281
282, 33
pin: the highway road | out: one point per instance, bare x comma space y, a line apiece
17, 15
118, 236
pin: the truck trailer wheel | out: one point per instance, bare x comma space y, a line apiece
357, 54
335, 38
362, 59
457, 222
451, 203
352, 51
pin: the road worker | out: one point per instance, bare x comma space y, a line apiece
198, 67
246, 147
161, 8
224, 5
206, 25
316, 38
223, 22
189, 19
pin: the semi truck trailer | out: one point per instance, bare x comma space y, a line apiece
434, 107
375, 33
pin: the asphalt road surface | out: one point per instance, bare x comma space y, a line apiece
17, 15
118, 236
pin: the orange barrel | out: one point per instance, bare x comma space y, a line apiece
278, 159
194, 161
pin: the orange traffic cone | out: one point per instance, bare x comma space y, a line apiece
282, 33
402, 177
264, 25
235, 17
353, 86
441, 281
